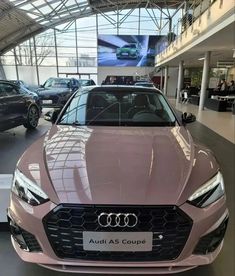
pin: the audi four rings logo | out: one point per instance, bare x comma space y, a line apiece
117, 220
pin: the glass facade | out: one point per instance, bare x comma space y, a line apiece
71, 48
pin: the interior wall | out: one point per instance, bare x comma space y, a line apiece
172, 82
103, 72
45, 73
10, 72
28, 74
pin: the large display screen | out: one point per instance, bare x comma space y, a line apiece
129, 50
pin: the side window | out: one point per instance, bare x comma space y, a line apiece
8, 90
76, 111
3, 92
22, 91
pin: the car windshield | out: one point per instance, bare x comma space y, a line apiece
129, 46
118, 108
86, 82
59, 83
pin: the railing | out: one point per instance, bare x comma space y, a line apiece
192, 13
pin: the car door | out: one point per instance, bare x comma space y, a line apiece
3, 109
15, 104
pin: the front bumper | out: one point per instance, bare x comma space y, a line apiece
53, 100
205, 221
127, 55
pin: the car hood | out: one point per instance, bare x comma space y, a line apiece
51, 91
118, 165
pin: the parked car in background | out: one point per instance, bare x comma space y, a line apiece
20, 83
118, 186
144, 84
25, 88
17, 107
131, 51
86, 82
56, 91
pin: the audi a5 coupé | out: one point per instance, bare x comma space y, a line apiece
117, 185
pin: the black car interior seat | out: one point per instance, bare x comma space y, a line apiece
140, 103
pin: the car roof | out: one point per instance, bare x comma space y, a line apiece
57, 78
8, 82
120, 88
138, 82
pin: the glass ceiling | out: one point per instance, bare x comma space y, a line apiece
29, 17
47, 11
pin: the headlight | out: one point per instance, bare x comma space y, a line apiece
27, 190
209, 192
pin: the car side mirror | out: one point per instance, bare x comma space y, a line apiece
188, 118
52, 115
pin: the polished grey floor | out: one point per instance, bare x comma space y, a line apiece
12, 146
15, 141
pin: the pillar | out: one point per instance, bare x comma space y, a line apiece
161, 80
205, 80
180, 80
165, 80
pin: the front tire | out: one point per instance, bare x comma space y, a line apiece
32, 117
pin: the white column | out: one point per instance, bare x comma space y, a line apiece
180, 80
165, 80
205, 80
161, 79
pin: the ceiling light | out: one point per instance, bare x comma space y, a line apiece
202, 58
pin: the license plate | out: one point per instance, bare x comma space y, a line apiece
117, 241
47, 101
125, 54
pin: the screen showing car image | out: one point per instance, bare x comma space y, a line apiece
129, 50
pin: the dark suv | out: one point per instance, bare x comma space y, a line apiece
56, 91
17, 107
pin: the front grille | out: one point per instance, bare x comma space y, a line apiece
65, 225
211, 241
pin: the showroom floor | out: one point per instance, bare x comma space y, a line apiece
223, 123
13, 143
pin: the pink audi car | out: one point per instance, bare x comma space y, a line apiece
117, 185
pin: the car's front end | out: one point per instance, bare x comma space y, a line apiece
127, 51
121, 198
54, 97
68, 227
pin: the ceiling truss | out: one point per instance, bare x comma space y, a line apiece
22, 19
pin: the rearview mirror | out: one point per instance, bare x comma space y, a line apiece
52, 115
188, 118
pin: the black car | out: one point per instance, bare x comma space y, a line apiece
17, 107
20, 83
56, 91
25, 88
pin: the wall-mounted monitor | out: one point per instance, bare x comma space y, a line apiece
129, 50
